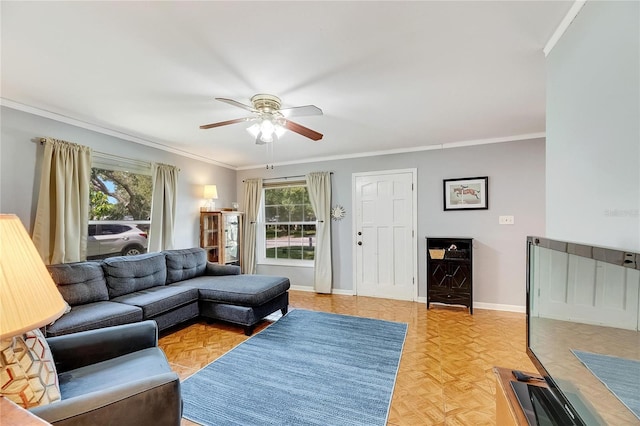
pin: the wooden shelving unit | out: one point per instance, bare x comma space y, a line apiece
221, 236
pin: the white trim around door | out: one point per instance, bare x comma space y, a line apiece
384, 242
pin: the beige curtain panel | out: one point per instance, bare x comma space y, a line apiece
163, 207
319, 187
251, 205
62, 215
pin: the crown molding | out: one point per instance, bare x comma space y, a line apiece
106, 131
158, 145
564, 24
448, 145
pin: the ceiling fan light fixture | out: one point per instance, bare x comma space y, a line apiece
265, 131
269, 120
254, 130
267, 128
266, 137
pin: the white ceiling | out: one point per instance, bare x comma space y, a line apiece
388, 75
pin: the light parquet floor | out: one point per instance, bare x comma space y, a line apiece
445, 375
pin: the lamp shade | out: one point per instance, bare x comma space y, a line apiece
210, 192
28, 296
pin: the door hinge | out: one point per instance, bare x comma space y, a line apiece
412, 187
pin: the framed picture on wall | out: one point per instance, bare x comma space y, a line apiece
466, 193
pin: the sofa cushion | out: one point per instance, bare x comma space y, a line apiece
94, 315
126, 274
157, 300
217, 269
98, 377
184, 264
245, 290
80, 282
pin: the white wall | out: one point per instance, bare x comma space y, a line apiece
21, 157
516, 187
593, 128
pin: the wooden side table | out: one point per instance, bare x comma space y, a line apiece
508, 410
12, 414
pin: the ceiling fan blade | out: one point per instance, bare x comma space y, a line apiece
301, 130
236, 103
301, 110
224, 123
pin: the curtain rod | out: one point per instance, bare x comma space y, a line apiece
112, 156
286, 177
44, 140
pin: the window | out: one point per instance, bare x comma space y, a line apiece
120, 207
289, 225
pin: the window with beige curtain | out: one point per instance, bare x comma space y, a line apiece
319, 186
62, 214
163, 207
251, 206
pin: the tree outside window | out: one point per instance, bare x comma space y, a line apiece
119, 215
117, 195
289, 223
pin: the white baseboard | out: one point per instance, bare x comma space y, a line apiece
342, 292
490, 306
423, 300
500, 307
311, 290
301, 288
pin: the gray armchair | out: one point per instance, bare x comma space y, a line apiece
113, 376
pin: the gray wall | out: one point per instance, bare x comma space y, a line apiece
516, 187
593, 128
21, 157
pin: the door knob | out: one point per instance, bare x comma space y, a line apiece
359, 243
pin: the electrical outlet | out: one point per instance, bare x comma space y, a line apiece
505, 220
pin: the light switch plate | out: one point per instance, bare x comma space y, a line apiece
505, 220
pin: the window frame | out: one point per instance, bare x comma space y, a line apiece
261, 238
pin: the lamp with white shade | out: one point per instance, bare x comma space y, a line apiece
211, 194
29, 300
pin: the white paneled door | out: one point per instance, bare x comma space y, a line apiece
385, 248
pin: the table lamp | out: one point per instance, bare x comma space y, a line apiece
29, 299
211, 194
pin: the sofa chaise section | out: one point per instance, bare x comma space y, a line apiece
224, 294
84, 288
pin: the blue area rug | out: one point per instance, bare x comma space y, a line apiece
621, 376
308, 368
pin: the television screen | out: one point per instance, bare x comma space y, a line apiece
583, 312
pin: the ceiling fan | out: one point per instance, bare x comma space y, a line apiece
271, 121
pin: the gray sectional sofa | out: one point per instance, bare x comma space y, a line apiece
169, 287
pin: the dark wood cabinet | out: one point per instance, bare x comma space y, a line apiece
450, 271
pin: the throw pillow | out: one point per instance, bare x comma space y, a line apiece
28, 374
67, 309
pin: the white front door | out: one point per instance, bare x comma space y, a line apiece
384, 242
